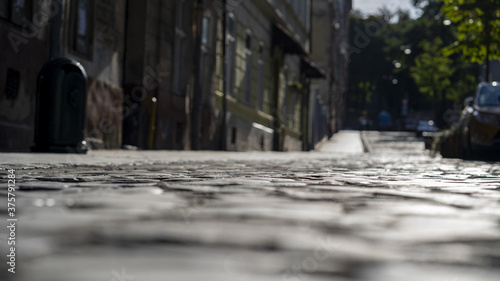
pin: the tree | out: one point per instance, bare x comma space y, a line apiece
478, 25
382, 72
367, 63
432, 71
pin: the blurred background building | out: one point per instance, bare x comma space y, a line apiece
330, 36
185, 74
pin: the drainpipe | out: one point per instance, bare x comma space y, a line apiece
56, 26
223, 138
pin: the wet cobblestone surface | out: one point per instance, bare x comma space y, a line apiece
394, 213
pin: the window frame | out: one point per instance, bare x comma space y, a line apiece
89, 29
28, 13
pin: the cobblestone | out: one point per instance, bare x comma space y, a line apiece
394, 213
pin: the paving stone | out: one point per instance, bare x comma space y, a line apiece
395, 213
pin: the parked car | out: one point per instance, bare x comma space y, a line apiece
425, 126
480, 121
410, 125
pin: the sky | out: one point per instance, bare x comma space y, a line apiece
371, 6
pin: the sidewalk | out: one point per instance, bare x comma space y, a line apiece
344, 142
166, 215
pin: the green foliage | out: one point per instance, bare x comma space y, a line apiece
432, 70
367, 65
463, 87
367, 89
405, 60
478, 27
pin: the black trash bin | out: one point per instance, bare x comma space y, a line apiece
60, 107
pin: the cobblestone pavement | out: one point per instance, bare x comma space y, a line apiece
394, 213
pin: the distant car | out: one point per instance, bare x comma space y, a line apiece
410, 125
480, 121
425, 126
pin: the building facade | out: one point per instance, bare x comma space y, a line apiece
265, 80
24, 49
184, 74
340, 60
139, 57
90, 32
329, 51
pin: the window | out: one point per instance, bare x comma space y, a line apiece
489, 96
206, 49
12, 84
82, 36
180, 37
4, 9
233, 135
248, 67
231, 53
248, 41
205, 30
179, 134
15, 10
260, 82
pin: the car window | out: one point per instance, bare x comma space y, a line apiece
489, 96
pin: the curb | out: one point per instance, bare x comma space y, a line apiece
367, 147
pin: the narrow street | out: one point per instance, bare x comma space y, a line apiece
388, 214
